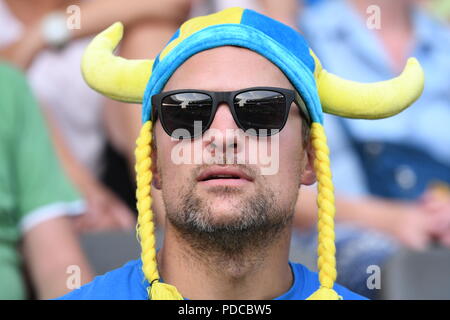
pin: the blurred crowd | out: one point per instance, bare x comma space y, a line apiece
67, 153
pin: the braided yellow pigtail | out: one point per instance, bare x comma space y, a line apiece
146, 226
325, 200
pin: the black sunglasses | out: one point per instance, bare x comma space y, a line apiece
260, 111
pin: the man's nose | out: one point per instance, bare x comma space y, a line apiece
224, 134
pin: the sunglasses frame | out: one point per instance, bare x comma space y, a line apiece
227, 97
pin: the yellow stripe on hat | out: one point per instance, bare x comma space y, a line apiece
231, 15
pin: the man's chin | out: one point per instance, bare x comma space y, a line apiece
228, 222
225, 218
225, 205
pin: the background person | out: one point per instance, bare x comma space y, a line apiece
386, 173
35, 201
80, 124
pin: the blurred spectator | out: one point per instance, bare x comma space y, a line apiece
441, 8
35, 200
389, 175
73, 109
35, 36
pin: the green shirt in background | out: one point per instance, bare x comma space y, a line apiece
33, 187
442, 9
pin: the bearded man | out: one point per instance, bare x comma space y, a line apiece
228, 219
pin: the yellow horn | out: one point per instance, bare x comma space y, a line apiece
115, 77
369, 100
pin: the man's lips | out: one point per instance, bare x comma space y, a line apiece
224, 176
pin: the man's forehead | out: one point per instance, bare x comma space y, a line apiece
226, 68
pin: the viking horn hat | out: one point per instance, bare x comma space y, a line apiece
126, 80
137, 81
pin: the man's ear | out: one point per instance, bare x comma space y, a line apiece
309, 175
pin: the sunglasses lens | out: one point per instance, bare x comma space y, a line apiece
185, 114
260, 109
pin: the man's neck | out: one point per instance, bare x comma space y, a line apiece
199, 274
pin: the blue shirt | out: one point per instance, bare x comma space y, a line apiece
129, 283
347, 47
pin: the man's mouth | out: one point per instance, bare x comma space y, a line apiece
224, 176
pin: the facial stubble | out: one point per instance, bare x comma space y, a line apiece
255, 221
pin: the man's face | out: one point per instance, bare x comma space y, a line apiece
200, 197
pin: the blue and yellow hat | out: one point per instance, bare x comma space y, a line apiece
137, 81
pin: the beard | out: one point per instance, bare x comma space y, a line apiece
254, 222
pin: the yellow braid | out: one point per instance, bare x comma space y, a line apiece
325, 200
146, 227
